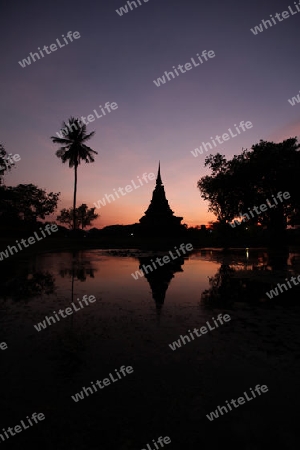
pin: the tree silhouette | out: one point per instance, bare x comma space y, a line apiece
26, 202
84, 216
252, 178
74, 150
5, 163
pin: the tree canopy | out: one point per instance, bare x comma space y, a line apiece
249, 179
84, 216
26, 202
5, 163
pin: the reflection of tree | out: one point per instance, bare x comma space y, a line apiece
26, 285
77, 268
221, 291
247, 285
80, 273
295, 260
277, 258
159, 279
270, 260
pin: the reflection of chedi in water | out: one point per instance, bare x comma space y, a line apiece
159, 279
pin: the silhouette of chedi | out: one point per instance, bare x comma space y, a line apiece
159, 219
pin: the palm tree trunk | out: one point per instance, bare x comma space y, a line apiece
74, 199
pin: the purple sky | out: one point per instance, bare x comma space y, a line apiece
116, 59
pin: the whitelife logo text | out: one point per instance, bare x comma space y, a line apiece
241, 401
187, 66
86, 120
202, 330
106, 382
128, 188
263, 208
268, 23
294, 100
31, 240
65, 312
161, 261
53, 48
24, 426
124, 9
225, 136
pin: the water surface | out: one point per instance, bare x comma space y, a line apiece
132, 323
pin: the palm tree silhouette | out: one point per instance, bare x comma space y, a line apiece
74, 150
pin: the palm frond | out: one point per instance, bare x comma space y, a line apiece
57, 140
88, 136
72, 145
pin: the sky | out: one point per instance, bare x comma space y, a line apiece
116, 59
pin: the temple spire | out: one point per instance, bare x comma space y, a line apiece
158, 179
159, 219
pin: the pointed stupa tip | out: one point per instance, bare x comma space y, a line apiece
158, 179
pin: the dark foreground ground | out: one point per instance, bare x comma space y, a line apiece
168, 394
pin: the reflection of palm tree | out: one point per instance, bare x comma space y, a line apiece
71, 344
74, 150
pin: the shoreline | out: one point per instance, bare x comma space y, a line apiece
53, 245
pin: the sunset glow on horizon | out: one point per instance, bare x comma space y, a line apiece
118, 63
